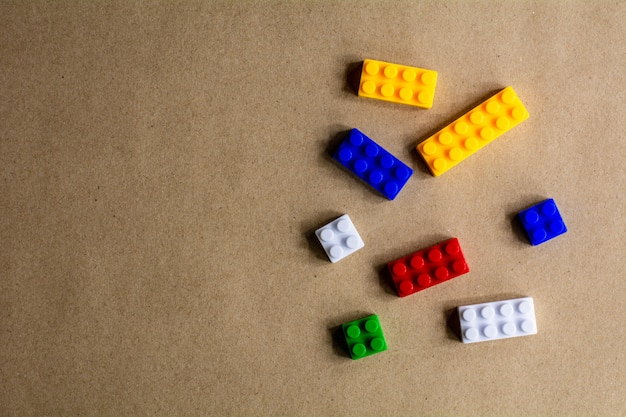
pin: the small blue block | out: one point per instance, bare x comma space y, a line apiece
542, 222
374, 165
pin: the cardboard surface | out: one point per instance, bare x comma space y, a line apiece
164, 165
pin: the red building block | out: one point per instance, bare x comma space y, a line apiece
428, 267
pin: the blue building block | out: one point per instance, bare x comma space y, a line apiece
374, 165
542, 222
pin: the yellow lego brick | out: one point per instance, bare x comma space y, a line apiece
472, 131
397, 83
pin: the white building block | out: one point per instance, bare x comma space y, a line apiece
339, 238
497, 320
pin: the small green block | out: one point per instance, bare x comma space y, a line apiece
364, 337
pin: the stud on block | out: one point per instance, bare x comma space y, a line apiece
497, 320
542, 222
364, 337
339, 238
373, 164
428, 267
397, 83
472, 131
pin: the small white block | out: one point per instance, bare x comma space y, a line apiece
339, 238
497, 320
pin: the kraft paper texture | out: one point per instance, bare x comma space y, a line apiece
164, 166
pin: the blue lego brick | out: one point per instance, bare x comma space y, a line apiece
373, 164
542, 222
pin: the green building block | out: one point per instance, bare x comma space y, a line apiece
364, 337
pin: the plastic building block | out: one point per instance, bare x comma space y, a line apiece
373, 164
428, 267
542, 222
364, 337
497, 320
397, 83
472, 131
339, 238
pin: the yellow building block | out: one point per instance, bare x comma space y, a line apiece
472, 131
397, 83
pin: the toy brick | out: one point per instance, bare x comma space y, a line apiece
428, 267
339, 238
373, 164
497, 320
472, 131
397, 83
542, 222
364, 337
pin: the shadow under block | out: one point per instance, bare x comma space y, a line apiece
472, 131
339, 238
497, 320
428, 267
373, 164
542, 222
397, 83
364, 337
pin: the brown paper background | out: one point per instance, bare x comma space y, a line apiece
163, 165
